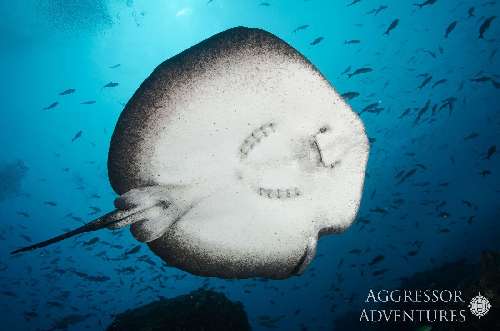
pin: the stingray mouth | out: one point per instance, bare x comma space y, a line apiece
279, 193
275, 164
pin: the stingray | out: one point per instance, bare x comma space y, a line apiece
233, 157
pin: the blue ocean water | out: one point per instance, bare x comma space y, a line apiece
432, 186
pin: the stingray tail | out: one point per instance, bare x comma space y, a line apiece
94, 225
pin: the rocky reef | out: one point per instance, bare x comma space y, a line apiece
200, 310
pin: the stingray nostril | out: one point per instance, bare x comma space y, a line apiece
164, 204
335, 163
324, 129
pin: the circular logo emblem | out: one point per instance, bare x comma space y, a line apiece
479, 305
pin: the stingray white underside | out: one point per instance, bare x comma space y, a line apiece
242, 162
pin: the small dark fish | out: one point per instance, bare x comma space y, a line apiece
485, 26
95, 210
485, 173
89, 102
421, 166
91, 241
77, 135
434, 109
352, 41
22, 213
441, 81
115, 66
364, 220
355, 251
111, 84
373, 107
316, 41
359, 71
8, 293
50, 203
27, 238
353, 3
471, 136
379, 9
391, 27
379, 210
430, 53
133, 250
405, 113
448, 102
450, 28
481, 79
425, 3
471, 12
265, 4
379, 272
91, 278
78, 219
491, 151
445, 230
146, 259
51, 106
376, 260
350, 95
346, 70
68, 91
422, 111
125, 270
407, 175
375, 11
300, 28
425, 82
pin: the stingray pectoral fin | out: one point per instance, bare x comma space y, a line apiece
308, 256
